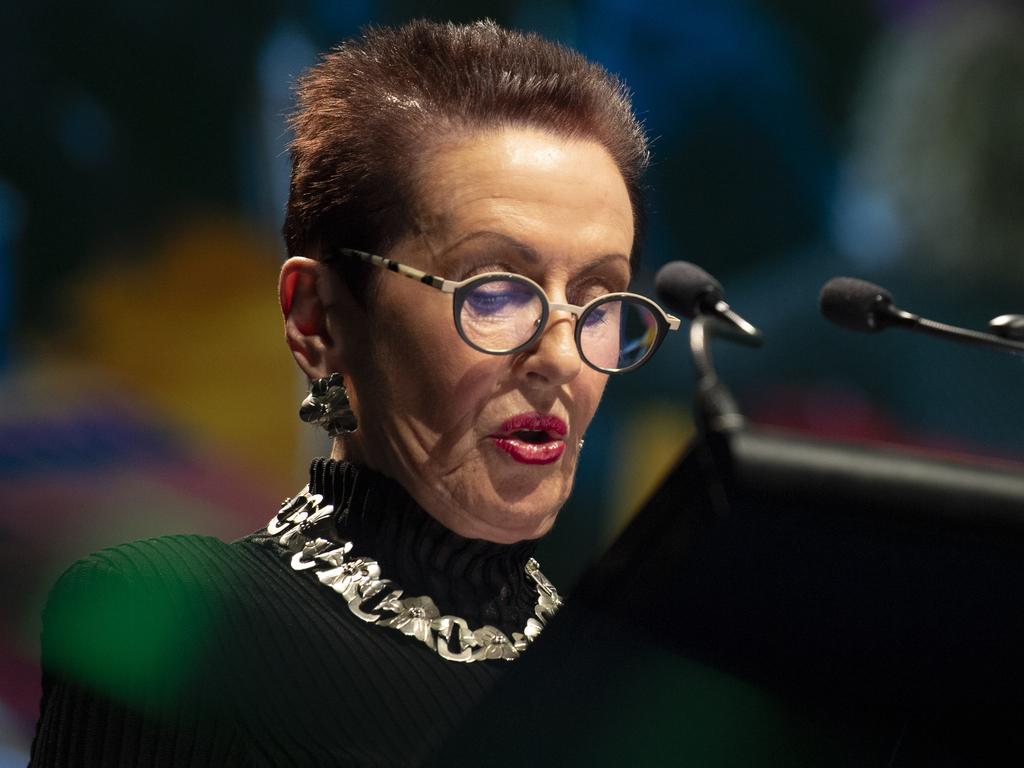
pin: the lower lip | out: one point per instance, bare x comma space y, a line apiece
531, 453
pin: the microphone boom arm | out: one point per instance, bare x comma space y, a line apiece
978, 338
904, 319
727, 324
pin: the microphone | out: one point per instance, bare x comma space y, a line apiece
858, 305
690, 291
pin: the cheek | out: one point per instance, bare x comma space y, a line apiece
426, 374
587, 392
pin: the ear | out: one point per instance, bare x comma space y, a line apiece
304, 295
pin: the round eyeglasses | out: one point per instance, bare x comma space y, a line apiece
502, 313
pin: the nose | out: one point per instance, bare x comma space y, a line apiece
554, 359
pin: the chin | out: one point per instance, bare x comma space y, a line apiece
503, 501
531, 515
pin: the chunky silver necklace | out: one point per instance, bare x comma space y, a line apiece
358, 580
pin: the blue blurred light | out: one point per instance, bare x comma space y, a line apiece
865, 224
85, 131
722, 76
337, 20
553, 20
286, 52
264, 165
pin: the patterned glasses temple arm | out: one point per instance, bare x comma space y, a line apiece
448, 286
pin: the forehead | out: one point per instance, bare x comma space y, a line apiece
564, 199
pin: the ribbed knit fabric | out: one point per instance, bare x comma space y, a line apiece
186, 651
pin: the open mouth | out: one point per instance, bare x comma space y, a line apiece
532, 438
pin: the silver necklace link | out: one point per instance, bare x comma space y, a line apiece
379, 601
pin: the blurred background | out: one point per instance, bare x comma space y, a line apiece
144, 384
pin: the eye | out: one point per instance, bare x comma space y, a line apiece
498, 297
597, 316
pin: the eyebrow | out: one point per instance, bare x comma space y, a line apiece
529, 252
481, 234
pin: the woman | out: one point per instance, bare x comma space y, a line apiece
501, 172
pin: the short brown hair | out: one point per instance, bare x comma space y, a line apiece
372, 104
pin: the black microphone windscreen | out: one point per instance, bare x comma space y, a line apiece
683, 286
853, 303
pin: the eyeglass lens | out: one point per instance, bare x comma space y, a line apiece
618, 334
501, 315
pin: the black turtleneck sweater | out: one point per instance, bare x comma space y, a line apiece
186, 651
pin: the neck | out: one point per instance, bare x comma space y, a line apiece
481, 581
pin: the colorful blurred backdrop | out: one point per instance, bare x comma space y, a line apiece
144, 384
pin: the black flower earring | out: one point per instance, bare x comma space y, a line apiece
327, 405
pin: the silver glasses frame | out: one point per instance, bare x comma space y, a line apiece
665, 322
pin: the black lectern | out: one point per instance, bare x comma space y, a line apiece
784, 601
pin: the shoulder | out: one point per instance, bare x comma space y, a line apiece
129, 617
166, 562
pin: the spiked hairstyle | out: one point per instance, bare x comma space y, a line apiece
376, 106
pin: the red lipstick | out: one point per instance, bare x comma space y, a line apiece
532, 438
